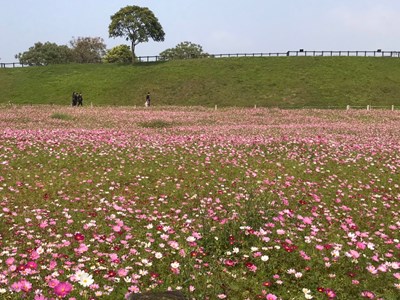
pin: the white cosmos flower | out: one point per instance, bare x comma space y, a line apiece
265, 258
175, 265
191, 239
298, 275
84, 278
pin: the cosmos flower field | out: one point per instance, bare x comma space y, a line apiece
97, 203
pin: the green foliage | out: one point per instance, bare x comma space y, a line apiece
118, 54
136, 24
62, 116
88, 49
184, 50
156, 124
45, 54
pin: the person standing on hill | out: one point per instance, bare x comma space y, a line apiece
74, 98
147, 103
80, 99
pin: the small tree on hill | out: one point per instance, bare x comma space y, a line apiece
184, 50
119, 54
136, 24
88, 49
45, 54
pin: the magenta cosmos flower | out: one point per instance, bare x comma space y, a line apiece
63, 289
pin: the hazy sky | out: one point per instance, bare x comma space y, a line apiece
220, 26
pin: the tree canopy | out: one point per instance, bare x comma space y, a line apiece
83, 50
88, 49
183, 50
118, 54
45, 54
136, 24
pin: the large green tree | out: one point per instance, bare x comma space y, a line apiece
45, 54
136, 24
184, 50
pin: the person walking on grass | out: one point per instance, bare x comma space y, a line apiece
74, 98
147, 103
80, 99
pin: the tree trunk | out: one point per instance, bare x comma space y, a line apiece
133, 52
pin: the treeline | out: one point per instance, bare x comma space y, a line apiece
135, 24
94, 50
80, 50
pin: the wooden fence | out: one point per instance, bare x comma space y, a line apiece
299, 53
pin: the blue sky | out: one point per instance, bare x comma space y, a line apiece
220, 26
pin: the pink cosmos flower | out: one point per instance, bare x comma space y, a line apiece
229, 262
372, 269
31, 265
53, 283
113, 257
368, 294
252, 267
353, 254
82, 248
34, 255
22, 285
63, 289
307, 220
10, 261
271, 297
361, 245
330, 293
116, 228
122, 272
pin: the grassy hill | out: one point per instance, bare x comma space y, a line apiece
268, 82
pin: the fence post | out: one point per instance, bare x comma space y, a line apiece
215, 108
392, 107
91, 104
368, 107
347, 107
255, 106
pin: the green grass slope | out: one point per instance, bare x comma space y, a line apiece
268, 82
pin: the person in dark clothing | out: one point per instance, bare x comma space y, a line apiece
80, 99
74, 99
147, 104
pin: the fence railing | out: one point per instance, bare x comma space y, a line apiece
377, 53
299, 53
12, 65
